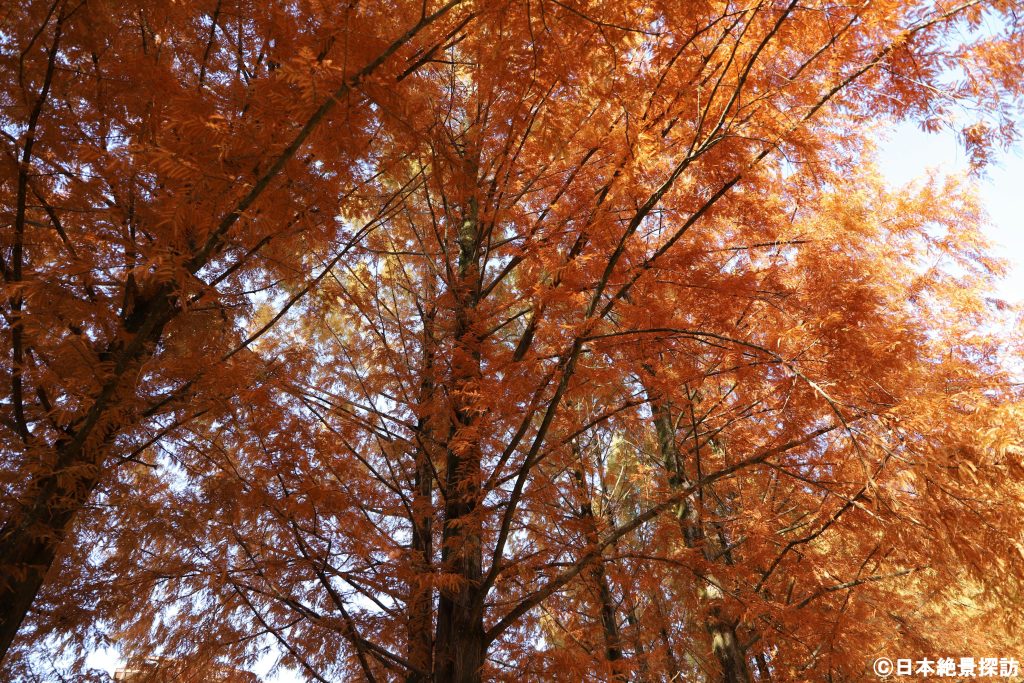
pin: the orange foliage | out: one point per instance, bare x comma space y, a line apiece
540, 340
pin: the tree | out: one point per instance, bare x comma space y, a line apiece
598, 348
152, 169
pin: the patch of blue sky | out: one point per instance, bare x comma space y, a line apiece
909, 153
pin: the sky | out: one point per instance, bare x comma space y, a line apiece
908, 153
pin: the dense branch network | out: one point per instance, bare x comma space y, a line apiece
461, 341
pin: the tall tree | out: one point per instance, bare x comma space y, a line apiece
598, 348
154, 158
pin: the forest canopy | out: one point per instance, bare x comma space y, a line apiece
503, 340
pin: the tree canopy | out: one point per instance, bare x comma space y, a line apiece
503, 340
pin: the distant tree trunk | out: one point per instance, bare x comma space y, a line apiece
674, 671
609, 619
721, 632
605, 599
763, 672
638, 643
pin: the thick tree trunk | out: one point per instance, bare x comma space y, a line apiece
727, 649
459, 645
764, 673
28, 549
460, 642
31, 536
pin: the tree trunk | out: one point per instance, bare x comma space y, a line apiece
419, 627
726, 648
721, 632
763, 671
674, 671
605, 599
31, 536
420, 605
29, 549
460, 642
638, 644
609, 619
459, 646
